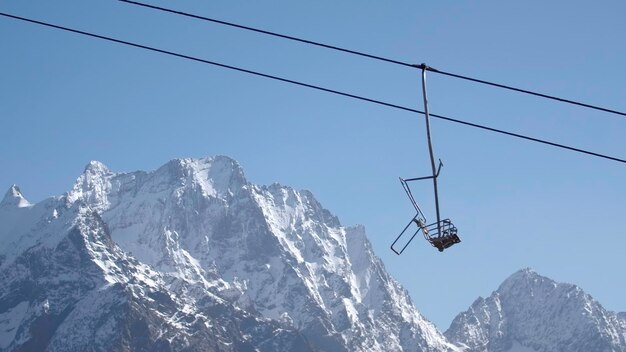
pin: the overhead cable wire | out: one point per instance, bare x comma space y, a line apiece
262, 31
319, 88
520, 90
375, 57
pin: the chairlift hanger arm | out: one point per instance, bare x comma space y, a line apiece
430, 144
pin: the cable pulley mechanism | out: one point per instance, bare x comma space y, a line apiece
441, 234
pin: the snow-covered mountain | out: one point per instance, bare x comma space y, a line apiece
194, 257
66, 286
531, 313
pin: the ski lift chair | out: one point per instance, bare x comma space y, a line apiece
441, 234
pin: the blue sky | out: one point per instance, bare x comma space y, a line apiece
67, 99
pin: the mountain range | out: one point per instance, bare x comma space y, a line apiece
193, 257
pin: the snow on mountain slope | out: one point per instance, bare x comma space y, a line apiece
66, 286
265, 249
531, 313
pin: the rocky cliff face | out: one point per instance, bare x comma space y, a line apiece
194, 257
531, 313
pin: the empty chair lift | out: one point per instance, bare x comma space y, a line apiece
441, 234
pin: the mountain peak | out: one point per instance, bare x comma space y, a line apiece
15, 198
521, 276
92, 186
524, 274
96, 167
539, 314
217, 175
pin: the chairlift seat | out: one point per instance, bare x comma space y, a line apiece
442, 235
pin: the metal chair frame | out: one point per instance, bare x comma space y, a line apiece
445, 233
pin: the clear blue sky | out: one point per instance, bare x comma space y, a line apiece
67, 99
